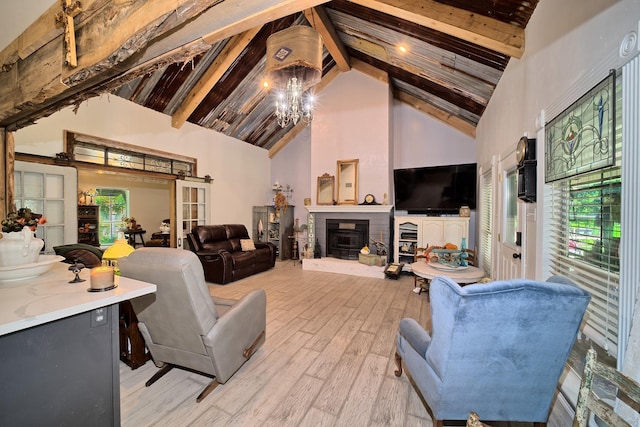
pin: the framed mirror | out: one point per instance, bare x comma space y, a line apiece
348, 182
324, 193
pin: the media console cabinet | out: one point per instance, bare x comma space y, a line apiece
412, 232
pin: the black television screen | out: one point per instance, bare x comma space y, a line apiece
435, 189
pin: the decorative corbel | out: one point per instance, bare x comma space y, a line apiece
70, 8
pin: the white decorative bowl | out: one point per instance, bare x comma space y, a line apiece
28, 271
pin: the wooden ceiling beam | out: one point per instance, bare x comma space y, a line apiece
319, 20
300, 126
370, 70
438, 114
481, 30
115, 37
220, 65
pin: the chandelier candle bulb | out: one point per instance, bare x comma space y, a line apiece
294, 65
102, 278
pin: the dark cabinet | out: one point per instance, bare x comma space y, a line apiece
275, 227
88, 225
527, 181
62, 373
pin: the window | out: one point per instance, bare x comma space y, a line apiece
486, 215
586, 236
584, 228
511, 208
100, 151
113, 205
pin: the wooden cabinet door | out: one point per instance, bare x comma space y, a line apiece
455, 230
432, 232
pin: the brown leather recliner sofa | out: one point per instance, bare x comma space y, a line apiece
220, 252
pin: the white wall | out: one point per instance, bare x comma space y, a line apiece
557, 58
561, 62
16, 17
423, 141
292, 166
239, 170
355, 126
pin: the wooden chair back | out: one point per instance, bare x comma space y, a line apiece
628, 392
471, 257
418, 254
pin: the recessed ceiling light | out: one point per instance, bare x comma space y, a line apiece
403, 49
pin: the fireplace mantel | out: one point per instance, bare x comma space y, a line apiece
350, 209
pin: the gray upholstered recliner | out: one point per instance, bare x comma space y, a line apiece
497, 349
183, 325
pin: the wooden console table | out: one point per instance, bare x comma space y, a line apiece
133, 350
131, 236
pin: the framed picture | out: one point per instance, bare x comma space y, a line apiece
324, 193
348, 182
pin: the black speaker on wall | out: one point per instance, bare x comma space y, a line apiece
527, 164
527, 181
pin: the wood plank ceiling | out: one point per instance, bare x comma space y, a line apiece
456, 53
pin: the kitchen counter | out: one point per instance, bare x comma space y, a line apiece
59, 347
50, 296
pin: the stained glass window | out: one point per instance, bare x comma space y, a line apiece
581, 138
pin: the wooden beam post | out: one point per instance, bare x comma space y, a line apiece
70, 8
3, 168
319, 20
467, 128
507, 39
7, 146
220, 65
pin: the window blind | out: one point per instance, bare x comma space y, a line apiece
582, 239
486, 214
584, 245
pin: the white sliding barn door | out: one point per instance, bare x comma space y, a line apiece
53, 192
193, 207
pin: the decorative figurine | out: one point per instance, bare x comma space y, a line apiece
76, 267
381, 248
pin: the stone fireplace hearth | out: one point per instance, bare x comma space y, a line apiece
380, 220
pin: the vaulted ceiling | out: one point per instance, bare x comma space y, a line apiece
205, 61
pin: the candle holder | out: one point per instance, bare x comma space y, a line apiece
102, 279
76, 267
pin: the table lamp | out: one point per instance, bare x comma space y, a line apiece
119, 249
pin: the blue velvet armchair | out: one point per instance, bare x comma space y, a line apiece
497, 349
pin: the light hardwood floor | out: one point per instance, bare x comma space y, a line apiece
327, 360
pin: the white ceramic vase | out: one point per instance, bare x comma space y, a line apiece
19, 247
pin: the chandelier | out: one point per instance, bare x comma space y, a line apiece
294, 65
293, 105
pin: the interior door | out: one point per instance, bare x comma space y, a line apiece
193, 207
509, 257
51, 191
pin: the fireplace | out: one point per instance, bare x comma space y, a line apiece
345, 237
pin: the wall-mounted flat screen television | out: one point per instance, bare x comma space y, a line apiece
435, 190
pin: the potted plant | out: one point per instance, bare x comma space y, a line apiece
280, 203
130, 221
18, 245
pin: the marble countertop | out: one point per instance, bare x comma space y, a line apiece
50, 296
